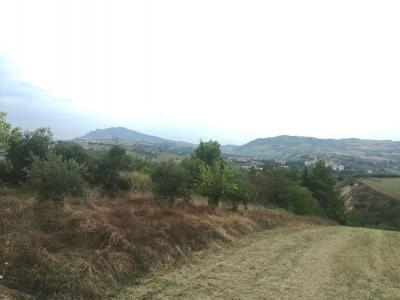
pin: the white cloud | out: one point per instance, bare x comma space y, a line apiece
232, 70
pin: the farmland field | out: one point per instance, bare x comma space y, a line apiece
388, 186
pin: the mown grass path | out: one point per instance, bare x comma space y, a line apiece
310, 262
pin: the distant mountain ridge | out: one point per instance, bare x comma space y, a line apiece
286, 148
296, 147
120, 133
138, 139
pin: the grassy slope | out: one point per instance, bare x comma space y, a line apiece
91, 249
312, 262
389, 186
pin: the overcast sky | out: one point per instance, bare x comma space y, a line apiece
227, 70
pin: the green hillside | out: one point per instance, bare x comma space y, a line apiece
389, 186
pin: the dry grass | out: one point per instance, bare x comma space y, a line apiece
303, 262
91, 248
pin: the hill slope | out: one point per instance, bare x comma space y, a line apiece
288, 263
295, 147
140, 140
367, 206
121, 133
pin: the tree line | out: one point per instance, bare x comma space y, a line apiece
302, 190
55, 170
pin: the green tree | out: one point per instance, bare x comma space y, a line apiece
300, 200
321, 181
279, 187
7, 133
72, 151
192, 166
76, 152
208, 152
21, 149
169, 181
237, 187
53, 178
108, 171
212, 182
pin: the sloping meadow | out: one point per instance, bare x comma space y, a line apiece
92, 248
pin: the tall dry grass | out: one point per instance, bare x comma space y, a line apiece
91, 248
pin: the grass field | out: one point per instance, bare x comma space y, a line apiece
309, 262
389, 186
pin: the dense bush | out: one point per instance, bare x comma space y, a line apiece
73, 151
53, 178
4, 172
301, 201
237, 187
192, 166
281, 187
208, 152
169, 181
212, 182
321, 181
108, 171
22, 148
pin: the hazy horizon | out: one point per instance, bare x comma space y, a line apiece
224, 70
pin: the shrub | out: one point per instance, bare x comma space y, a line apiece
278, 187
72, 151
211, 182
237, 187
108, 169
4, 172
54, 178
21, 150
300, 200
208, 152
169, 181
321, 181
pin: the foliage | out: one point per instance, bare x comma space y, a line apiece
223, 181
208, 152
142, 165
80, 155
7, 133
72, 151
212, 182
192, 166
108, 168
53, 178
4, 172
321, 181
237, 186
278, 187
301, 201
20, 151
169, 181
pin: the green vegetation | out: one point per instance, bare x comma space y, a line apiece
169, 181
321, 182
23, 147
368, 207
37, 156
110, 226
356, 155
54, 177
282, 188
107, 172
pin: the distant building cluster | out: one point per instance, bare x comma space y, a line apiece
335, 166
